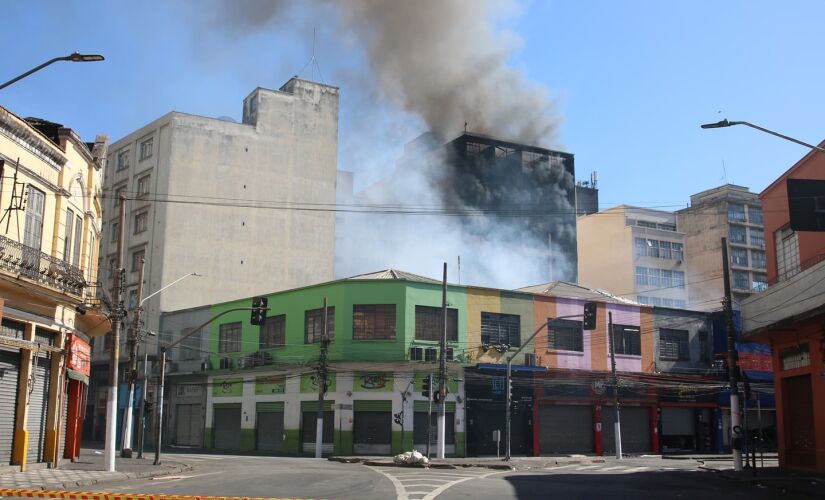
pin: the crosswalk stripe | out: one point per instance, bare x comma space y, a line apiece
636, 469
615, 467
586, 467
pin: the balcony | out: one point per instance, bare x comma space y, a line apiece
21, 260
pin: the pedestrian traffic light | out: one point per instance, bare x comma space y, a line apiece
399, 418
258, 316
427, 386
589, 316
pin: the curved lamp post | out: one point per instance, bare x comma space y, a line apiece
725, 123
74, 57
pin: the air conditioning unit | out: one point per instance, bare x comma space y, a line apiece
431, 355
530, 359
416, 354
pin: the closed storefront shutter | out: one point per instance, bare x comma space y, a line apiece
678, 421
64, 417
269, 427
565, 429
372, 427
9, 370
227, 426
38, 407
309, 419
635, 422
188, 425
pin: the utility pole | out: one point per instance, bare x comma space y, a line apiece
134, 342
322, 387
141, 430
733, 369
617, 427
116, 315
429, 412
442, 373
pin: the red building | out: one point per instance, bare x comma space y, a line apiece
790, 316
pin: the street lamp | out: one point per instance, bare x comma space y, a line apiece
725, 123
74, 57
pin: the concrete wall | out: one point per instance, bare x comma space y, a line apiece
693, 323
605, 247
284, 156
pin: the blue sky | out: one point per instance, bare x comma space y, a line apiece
631, 81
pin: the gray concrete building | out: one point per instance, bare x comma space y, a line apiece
735, 213
225, 200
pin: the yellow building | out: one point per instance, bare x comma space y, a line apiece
50, 221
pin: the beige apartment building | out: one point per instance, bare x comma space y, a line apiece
735, 213
636, 253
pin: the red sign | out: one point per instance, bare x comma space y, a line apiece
755, 361
80, 355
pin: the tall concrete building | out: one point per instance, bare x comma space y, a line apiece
732, 212
226, 200
636, 253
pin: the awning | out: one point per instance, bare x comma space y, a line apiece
76, 375
27, 344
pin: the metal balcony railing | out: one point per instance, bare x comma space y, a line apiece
19, 259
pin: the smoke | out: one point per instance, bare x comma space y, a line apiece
443, 64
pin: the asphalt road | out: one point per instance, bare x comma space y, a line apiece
251, 476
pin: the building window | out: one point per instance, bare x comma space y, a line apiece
673, 345
565, 335
755, 215
273, 332
798, 356
664, 278
133, 300
757, 238
67, 240
143, 186
627, 339
760, 282
736, 213
739, 257
314, 324
229, 337
141, 222
678, 251
123, 160
499, 329
78, 239
189, 346
741, 280
737, 234
704, 349
429, 321
758, 259
146, 148
115, 231
137, 257
373, 322
787, 253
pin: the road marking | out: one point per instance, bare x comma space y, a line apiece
559, 467
87, 495
587, 467
426, 484
614, 467
636, 469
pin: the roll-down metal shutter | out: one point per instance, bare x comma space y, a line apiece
372, 427
309, 420
565, 429
64, 402
635, 429
38, 407
269, 423
9, 370
678, 421
227, 427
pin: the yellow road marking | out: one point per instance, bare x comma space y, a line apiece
88, 495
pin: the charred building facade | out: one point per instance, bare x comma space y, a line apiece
526, 189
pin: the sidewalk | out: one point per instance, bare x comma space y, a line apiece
515, 463
792, 483
86, 471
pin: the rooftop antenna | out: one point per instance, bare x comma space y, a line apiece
724, 172
313, 62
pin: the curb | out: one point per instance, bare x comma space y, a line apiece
66, 485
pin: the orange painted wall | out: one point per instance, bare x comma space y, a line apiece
543, 308
646, 332
598, 356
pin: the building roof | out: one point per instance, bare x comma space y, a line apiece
564, 289
393, 274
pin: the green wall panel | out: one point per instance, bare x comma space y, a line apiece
247, 439
207, 437
292, 444
460, 443
343, 442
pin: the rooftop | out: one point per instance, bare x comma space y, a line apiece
568, 290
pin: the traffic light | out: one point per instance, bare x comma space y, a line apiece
589, 316
399, 418
427, 386
258, 316
147, 407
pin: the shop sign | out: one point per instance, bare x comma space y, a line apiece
80, 355
224, 388
189, 390
311, 381
373, 382
270, 385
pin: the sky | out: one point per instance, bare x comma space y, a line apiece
630, 81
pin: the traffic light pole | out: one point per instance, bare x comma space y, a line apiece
114, 361
429, 411
162, 375
442, 373
617, 426
509, 383
735, 421
134, 343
